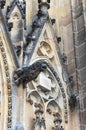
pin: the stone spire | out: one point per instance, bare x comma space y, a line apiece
44, 5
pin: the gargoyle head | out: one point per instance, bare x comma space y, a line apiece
27, 74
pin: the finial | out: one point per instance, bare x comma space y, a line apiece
44, 5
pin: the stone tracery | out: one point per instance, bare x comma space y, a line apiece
47, 96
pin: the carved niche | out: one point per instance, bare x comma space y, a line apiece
15, 26
45, 50
53, 107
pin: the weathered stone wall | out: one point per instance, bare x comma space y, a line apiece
61, 11
79, 30
70, 24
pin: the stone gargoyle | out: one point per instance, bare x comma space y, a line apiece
27, 74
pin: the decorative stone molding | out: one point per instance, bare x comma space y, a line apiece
7, 73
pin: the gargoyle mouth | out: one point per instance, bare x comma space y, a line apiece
44, 66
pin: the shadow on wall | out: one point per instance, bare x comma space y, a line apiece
18, 126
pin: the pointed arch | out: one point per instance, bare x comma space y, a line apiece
61, 85
52, 106
34, 96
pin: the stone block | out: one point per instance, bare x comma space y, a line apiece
84, 117
82, 127
79, 37
76, 3
81, 62
82, 75
14, 106
44, 82
82, 89
81, 106
71, 67
17, 35
81, 50
66, 20
77, 11
79, 23
68, 39
70, 56
81, 117
84, 102
14, 90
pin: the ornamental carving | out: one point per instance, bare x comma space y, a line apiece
5, 62
48, 89
45, 50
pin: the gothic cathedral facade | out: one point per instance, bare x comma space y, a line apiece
39, 81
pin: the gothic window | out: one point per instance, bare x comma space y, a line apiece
46, 85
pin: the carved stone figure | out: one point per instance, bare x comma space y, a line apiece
57, 123
27, 74
39, 122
